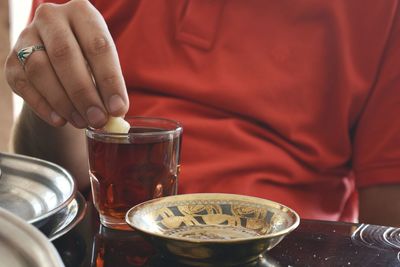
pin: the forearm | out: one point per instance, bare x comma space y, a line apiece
64, 145
380, 205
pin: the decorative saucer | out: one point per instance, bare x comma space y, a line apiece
213, 229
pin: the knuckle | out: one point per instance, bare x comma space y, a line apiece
34, 66
9, 67
44, 11
62, 105
20, 86
110, 81
60, 102
85, 8
99, 45
79, 94
17, 82
25, 33
62, 50
81, 4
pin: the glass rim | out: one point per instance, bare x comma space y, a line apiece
177, 128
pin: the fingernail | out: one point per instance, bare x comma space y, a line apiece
95, 116
115, 103
55, 118
78, 120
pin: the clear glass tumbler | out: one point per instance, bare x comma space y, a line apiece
127, 169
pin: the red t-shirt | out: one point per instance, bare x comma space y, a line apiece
278, 99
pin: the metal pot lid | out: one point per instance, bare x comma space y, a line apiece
23, 245
33, 189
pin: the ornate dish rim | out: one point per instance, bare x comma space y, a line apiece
223, 197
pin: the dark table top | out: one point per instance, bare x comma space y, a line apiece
313, 243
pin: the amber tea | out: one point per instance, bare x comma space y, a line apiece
127, 169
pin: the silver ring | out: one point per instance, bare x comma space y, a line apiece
24, 53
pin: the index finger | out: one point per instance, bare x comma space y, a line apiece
99, 50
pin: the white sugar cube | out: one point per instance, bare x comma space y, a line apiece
117, 125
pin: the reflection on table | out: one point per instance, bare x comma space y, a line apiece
314, 243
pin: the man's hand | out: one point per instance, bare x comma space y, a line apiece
78, 78
380, 205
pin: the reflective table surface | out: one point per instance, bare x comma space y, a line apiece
313, 243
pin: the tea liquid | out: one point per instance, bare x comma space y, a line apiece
125, 172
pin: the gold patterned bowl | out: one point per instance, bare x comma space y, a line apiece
213, 229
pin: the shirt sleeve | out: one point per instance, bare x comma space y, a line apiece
376, 143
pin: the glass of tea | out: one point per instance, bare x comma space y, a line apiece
129, 168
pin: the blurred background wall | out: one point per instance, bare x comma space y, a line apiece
13, 18
6, 99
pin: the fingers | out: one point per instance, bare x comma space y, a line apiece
44, 79
70, 66
22, 87
78, 78
99, 49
